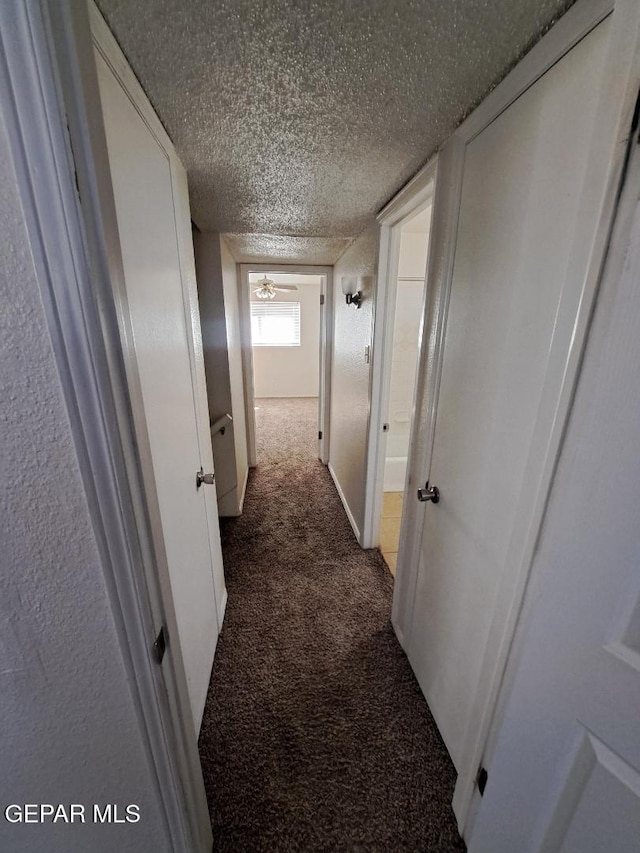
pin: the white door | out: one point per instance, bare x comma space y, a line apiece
153, 218
504, 356
564, 773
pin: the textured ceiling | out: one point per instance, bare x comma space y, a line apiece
262, 248
297, 118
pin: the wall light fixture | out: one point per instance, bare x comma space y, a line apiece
351, 291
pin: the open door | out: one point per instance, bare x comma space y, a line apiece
158, 315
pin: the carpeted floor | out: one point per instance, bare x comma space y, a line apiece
315, 736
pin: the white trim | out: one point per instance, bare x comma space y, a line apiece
444, 225
49, 79
244, 313
407, 203
572, 27
326, 360
345, 504
417, 191
243, 492
222, 608
326, 349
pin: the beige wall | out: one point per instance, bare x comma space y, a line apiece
350, 375
218, 298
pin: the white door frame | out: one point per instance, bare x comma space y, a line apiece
410, 200
326, 348
617, 100
58, 147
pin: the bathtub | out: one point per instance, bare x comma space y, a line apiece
395, 470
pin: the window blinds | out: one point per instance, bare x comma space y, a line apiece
275, 324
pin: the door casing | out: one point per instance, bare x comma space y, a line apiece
326, 349
413, 198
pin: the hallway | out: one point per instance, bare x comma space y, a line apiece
315, 734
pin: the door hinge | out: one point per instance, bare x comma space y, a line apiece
322, 299
481, 780
160, 645
320, 434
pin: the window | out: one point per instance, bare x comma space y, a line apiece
275, 324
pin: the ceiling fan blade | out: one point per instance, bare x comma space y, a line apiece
286, 287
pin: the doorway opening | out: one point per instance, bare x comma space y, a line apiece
401, 303
285, 336
403, 356
286, 328
407, 325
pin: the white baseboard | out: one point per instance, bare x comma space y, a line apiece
287, 396
243, 492
223, 608
398, 633
352, 521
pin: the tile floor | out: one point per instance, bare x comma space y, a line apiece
390, 528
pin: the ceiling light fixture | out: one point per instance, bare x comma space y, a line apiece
266, 288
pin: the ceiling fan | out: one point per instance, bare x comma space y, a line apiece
266, 289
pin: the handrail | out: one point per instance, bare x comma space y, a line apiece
221, 424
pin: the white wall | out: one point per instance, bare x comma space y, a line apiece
218, 298
404, 359
413, 251
350, 376
69, 728
292, 371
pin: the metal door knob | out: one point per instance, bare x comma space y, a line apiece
201, 478
429, 493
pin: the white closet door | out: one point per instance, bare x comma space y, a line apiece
564, 774
523, 177
150, 226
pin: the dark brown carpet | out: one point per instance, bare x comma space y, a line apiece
316, 736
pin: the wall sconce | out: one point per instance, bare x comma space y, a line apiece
351, 291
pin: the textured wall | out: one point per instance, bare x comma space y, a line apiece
292, 371
350, 374
69, 734
217, 295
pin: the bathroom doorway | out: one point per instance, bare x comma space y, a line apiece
405, 343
